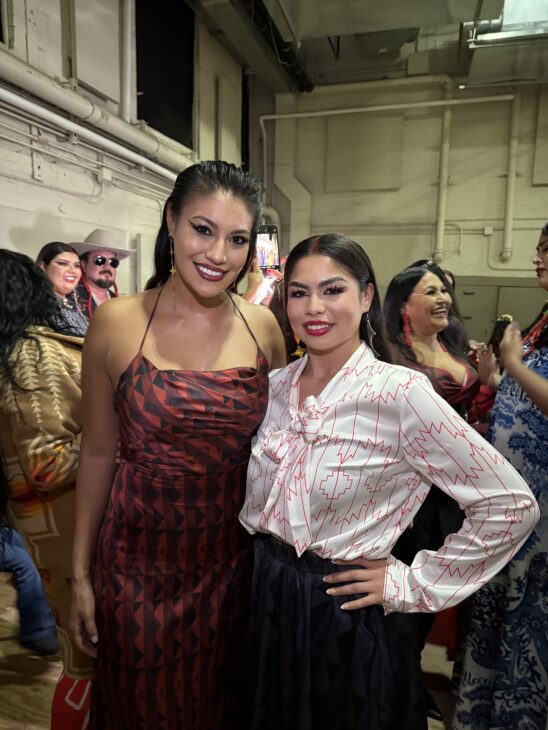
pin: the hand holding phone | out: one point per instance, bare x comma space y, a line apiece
268, 251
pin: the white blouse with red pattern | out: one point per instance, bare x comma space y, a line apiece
344, 475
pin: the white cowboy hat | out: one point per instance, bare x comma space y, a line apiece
102, 239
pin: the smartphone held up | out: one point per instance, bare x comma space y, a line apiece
268, 249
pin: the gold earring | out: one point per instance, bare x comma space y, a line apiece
173, 269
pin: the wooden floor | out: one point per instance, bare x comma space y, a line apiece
27, 681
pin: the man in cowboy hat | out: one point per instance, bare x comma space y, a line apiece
100, 255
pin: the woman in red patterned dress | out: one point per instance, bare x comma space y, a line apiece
178, 376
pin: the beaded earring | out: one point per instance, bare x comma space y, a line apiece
530, 340
406, 328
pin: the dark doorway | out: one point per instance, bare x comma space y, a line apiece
165, 67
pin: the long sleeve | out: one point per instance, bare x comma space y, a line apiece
43, 415
500, 508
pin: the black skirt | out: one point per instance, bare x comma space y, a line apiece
315, 666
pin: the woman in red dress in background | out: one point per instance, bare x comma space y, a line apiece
179, 376
417, 309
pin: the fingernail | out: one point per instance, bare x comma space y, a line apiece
326, 579
330, 591
94, 639
344, 606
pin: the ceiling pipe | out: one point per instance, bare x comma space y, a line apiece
97, 139
443, 181
125, 97
35, 82
507, 250
375, 108
401, 82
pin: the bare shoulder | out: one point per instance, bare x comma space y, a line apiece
120, 318
117, 311
257, 316
116, 331
266, 329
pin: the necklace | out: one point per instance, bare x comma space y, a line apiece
531, 339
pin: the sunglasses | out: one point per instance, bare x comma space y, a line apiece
100, 260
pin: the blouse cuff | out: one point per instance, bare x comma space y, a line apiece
395, 580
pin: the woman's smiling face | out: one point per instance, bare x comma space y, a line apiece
64, 272
428, 306
211, 239
325, 304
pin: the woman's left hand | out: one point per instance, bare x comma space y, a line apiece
511, 352
368, 579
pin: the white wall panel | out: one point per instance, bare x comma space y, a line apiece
363, 152
44, 36
540, 171
309, 152
218, 100
96, 53
20, 41
229, 116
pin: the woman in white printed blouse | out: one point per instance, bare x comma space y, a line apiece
342, 462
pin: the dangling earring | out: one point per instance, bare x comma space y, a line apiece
173, 269
406, 328
370, 334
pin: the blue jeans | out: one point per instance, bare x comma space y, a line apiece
35, 617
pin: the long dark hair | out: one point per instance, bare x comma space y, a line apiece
543, 337
205, 178
26, 298
50, 250
351, 257
397, 294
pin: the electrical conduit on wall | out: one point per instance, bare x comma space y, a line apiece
507, 251
443, 181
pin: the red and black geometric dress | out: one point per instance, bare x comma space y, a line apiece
172, 571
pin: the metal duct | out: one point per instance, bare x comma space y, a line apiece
305, 19
244, 40
514, 51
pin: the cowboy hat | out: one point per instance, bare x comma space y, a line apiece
103, 240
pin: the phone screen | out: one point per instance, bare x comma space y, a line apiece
268, 252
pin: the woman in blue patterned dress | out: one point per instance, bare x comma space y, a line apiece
505, 664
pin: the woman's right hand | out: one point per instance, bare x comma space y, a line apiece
82, 617
255, 279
